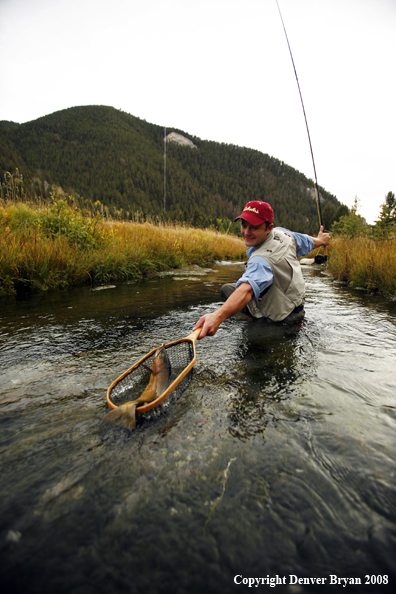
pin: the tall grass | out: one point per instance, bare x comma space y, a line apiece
57, 247
365, 262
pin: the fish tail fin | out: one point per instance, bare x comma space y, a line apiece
124, 415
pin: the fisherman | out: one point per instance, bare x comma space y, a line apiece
272, 286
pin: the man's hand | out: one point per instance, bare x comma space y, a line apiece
322, 238
210, 324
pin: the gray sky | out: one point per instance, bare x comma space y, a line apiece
221, 70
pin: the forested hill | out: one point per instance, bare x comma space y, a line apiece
101, 154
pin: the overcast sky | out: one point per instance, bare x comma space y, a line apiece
221, 70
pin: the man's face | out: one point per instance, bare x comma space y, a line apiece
254, 235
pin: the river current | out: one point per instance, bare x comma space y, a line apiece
277, 463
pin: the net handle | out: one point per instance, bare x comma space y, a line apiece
141, 409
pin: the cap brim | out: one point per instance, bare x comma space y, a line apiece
251, 218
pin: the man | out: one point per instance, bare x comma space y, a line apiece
272, 286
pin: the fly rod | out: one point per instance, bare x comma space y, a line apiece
318, 259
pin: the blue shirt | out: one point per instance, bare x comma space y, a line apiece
258, 272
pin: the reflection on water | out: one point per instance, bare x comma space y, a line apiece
278, 459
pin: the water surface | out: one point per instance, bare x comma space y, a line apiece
278, 460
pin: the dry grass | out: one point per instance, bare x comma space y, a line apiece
364, 262
34, 258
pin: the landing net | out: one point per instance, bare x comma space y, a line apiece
128, 386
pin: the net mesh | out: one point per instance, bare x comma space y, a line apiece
133, 383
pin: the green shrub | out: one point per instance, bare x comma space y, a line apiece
60, 219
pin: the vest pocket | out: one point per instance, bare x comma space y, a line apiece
283, 275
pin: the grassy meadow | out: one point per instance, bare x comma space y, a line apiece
56, 246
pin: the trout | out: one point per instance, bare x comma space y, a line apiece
125, 414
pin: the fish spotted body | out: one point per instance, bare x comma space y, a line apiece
125, 414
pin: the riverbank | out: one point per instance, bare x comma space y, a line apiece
365, 262
57, 247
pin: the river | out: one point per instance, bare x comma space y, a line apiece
277, 462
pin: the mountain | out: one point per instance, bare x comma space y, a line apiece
98, 153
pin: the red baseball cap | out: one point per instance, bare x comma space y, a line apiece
257, 212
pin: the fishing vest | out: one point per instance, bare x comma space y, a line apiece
288, 289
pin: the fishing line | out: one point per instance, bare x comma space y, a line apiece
306, 125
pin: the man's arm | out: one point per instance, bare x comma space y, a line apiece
235, 302
306, 243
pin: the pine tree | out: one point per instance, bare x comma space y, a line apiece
388, 210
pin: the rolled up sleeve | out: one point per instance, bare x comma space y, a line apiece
258, 274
